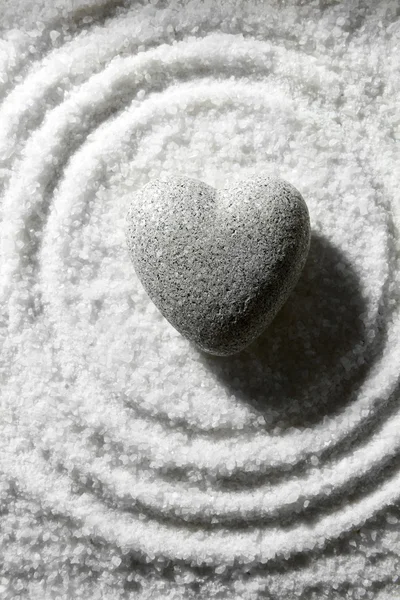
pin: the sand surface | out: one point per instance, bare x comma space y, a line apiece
132, 465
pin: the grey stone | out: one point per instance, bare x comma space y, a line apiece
218, 264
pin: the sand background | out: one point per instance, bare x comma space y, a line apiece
132, 465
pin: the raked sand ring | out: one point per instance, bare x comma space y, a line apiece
110, 405
65, 205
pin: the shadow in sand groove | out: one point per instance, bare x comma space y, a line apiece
304, 366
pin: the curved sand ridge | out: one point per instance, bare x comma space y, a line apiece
119, 424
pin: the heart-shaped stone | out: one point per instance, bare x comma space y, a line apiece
218, 264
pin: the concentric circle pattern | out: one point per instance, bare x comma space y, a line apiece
132, 465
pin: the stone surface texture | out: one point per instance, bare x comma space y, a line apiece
218, 264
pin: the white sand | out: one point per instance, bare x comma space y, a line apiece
132, 465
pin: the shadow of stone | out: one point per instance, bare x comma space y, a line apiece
304, 366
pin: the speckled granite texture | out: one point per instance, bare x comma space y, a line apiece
218, 264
